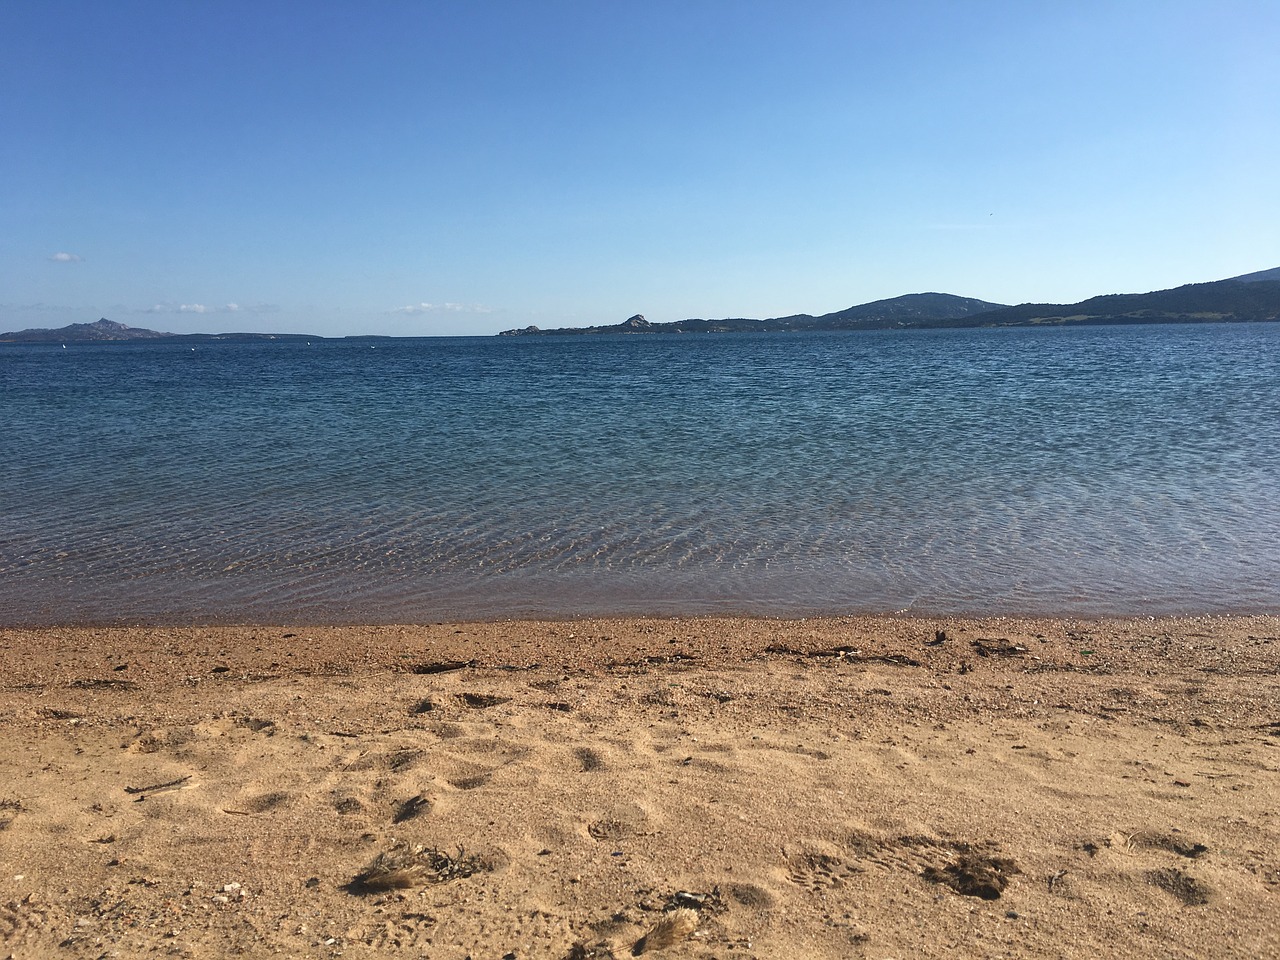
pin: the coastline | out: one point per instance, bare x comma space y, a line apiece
568, 641
820, 787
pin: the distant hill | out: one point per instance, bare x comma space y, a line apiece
910, 310
1254, 297
1225, 301
1262, 275
913, 309
105, 330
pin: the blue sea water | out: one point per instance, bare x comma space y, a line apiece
1126, 470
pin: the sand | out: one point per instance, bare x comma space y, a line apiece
851, 787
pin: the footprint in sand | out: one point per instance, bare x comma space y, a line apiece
819, 871
459, 773
607, 830
1180, 884
409, 932
472, 782
627, 821
155, 739
970, 869
1173, 880
263, 802
482, 701
347, 805
227, 726
9, 810
21, 919
1167, 841
415, 806
458, 767
396, 760
974, 875
752, 896
910, 852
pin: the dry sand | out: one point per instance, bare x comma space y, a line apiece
852, 787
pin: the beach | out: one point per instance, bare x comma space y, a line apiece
841, 787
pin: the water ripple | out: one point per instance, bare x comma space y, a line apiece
1133, 470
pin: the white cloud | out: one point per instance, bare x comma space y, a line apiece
416, 308
171, 307
61, 257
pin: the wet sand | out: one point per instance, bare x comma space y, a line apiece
846, 787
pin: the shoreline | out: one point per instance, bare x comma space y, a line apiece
652, 613
872, 787
568, 641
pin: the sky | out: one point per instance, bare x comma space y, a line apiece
458, 168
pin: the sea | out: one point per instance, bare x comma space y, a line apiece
1063, 471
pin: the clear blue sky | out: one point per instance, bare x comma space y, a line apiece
420, 168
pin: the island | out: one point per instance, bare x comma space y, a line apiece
108, 331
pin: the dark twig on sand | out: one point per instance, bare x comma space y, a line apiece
159, 787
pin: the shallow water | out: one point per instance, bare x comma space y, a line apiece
1124, 470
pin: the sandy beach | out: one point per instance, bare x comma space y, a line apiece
727, 788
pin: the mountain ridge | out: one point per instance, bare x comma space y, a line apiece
1250, 297
1221, 301
879, 314
1263, 275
